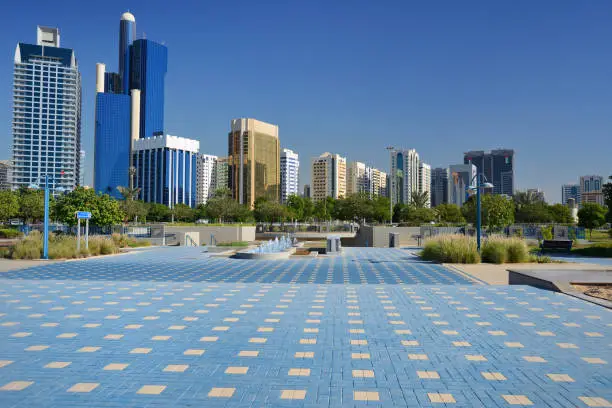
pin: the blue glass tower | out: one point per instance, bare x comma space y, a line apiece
149, 67
112, 143
127, 34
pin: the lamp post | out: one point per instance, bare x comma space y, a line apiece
390, 149
48, 179
481, 184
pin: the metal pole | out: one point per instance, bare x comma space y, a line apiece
478, 212
78, 234
46, 221
87, 233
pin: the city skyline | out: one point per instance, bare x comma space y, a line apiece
440, 129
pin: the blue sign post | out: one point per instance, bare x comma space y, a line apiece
82, 215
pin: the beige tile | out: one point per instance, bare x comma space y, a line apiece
534, 359
161, 338
115, 367
593, 334
140, 350
21, 334
258, 340
293, 394
307, 354
88, 349
517, 400
248, 353
366, 396
265, 329
132, 326
236, 370
438, 398
359, 342
209, 339
567, 345
475, 357
16, 385
113, 337
299, 372
151, 389
560, 377
194, 352
513, 344
83, 387
595, 401
497, 333
410, 343
418, 357
58, 364
545, 333
594, 360
176, 368
308, 341
450, 332
178, 327
363, 374
4, 363
403, 331
360, 356
491, 376
430, 375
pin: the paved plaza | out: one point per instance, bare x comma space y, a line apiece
372, 327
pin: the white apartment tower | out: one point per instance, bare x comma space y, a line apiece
205, 166
46, 113
425, 181
328, 177
357, 179
404, 176
289, 178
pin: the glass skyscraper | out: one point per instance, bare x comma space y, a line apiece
497, 166
46, 112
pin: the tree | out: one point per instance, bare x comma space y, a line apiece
130, 206
31, 204
607, 193
308, 211
104, 210
9, 205
380, 209
223, 208
538, 213
591, 216
419, 200
527, 198
323, 209
268, 211
183, 213
497, 210
449, 213
561, 214
158, 212
295, 207
411, 215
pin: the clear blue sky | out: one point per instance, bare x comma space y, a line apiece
353, 77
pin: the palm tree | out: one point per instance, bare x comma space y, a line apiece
526, 198
129, 193
419, 200
129, 204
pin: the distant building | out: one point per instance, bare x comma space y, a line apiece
425, 181
328, 177
166, 169
254, 161
404, 175
205, 169
306, 190
591, 190
289, 174
82, 169
497, 166
46, 112
570, 191
537, 194
5, 175
357, 180
220, 174
379, 183
460, 177
439, 186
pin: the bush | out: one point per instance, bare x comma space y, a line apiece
451, 249
30, 247
540, 259
61, 247
547, 233
494, 251
597, 250
516, 250
10, 233
233, 244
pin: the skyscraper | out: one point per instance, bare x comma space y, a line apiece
46, 112
5, 174
379, 183
497, 166
570, 191
254, 161
328, 177
82, 168
425, 182
357, 180
220, 174
591, 189
461, 175
404, 175
439, 186
129, 106
205, 170
289, 174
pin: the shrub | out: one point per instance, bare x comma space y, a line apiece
546, 233
10, 233
597, 250
516, 250
233, 244
28, 248
61, 247
494, 251
451, 249
540, 259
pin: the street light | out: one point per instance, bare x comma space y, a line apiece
390, 149
36, 186
481, 184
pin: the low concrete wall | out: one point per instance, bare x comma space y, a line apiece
378, 236
228, 233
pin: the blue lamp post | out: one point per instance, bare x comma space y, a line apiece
48, 179
481, 184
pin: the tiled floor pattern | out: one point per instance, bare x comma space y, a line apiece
354, 266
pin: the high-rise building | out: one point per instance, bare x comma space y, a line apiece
460, 177
46, 112
82, 168
570, 191
328, 177
254, 160
379, 183
129, 106
166, 169
404, 175
205, 172
220, 174
537, 194
439, 186
357, 180
289, 174
5, 174
306, 191
497, 166
591, 189
425, 182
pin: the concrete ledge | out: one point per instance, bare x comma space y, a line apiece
275, 256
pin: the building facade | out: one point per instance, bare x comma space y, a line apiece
358, 179
328, 177
205, 172
254, 161
537, 194
5, 175
425, 182
591, 189
570, 191
220, 174
46, 113
82, 168
166, 169
460, 177
404, 175
306, 191
289, 174
379, 183
497, 166
439, 186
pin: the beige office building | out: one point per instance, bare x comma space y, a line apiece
254, 161
328, 177
379, 183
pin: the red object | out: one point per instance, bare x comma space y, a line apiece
62, 172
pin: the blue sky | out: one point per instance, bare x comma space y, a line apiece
353, 77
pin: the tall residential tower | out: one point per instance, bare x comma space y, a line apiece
289, 174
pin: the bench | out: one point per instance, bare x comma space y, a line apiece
556, 245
